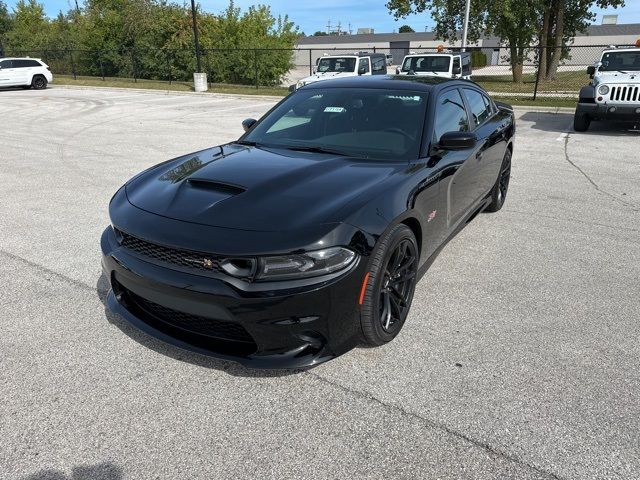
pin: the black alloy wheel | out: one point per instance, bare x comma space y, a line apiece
390, 286
39, 82
499, 192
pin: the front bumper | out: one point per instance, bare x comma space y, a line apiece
601, 111
270, 329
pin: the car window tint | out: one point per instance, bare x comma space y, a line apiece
451, 115
300, 114
379, 64
478, 106
5, 64
366, 123
23, 63
364, 62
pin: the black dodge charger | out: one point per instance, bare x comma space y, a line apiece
307, 236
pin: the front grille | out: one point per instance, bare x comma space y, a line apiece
183, 258
629, 94
210, 327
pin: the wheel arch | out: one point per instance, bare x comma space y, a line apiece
414, 224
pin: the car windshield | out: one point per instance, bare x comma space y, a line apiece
620, 61
364, 123
337, 64
431, 63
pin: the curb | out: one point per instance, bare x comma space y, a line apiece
535, 109
165, 92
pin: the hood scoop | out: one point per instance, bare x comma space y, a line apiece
216, 186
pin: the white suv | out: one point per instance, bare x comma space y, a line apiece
24, 72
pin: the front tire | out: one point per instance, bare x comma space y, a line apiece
39, 82
500, 189
390, 286
581, 122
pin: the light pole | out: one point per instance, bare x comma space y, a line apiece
465, 26
195, 34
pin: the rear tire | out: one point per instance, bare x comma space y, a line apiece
39, 82
390, 286
500, 189
581, 122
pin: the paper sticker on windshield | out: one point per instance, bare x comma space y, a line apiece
334, 109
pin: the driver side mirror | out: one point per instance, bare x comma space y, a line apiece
456, 70
247, 123
314, 71
362, 70
457, 141
591, 70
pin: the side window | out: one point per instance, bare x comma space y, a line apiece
20, 63
379, 65
451, 115
33, 63
466, 66
5, 64
456, 64
479, 109
364, 62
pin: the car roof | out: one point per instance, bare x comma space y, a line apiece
20, 58
391, 82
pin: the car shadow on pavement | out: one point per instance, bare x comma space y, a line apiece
101, 471
232, 368
563, 123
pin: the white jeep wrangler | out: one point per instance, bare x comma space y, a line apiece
333, 66
441, 64
614, 90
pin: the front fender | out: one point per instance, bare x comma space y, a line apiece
588, 93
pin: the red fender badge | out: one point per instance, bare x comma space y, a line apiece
432, 215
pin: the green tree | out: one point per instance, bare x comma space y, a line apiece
405, 29
320, 34
5, 25
518, 23
30, 27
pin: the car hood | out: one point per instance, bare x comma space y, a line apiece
235, 186
617, 77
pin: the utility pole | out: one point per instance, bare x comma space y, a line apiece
195, 34
465, 26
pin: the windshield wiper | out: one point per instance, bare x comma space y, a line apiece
316, 149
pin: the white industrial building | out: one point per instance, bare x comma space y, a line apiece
399, 44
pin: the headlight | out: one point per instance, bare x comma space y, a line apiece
603, 89
304, 265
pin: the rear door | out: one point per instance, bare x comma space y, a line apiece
24, 70
6, 73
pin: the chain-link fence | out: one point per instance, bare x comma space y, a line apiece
552, 72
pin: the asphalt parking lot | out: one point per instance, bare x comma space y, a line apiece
520, 358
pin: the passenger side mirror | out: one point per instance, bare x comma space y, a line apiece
247, 123
362, 70
456, 70
591, 70
458, 141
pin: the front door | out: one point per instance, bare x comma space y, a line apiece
7, 73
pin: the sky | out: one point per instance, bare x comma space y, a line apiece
313, 15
